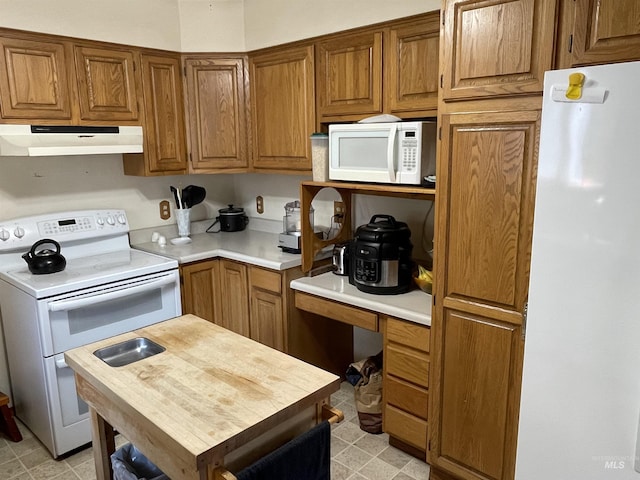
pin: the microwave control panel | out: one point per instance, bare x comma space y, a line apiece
409, 151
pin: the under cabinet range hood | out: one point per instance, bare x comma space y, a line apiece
50, 140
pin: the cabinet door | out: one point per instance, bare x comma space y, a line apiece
267, 319
106, 84
283, 113
235, 297
201, 290
165, 147
493, 48
486, 173
217, 118
475, 396
349, 75
33, 80
411, 73
605, 31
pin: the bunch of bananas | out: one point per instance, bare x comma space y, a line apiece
424, 280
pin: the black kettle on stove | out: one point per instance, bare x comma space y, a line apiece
45, 260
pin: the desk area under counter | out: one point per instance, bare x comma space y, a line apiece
404, 321
414, 306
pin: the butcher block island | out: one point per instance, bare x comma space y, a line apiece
211, 401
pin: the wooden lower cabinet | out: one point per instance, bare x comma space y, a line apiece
234, 298
405, 383
257, 302
200, 289
267, 323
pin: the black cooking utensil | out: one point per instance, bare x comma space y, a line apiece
193, 195
175, 196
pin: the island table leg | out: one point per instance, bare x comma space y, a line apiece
103, 438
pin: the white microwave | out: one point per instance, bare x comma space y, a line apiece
398, 153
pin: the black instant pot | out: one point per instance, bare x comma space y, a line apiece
380, 257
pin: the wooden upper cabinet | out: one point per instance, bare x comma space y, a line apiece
487, 175
217, 114
34, 83
349, 74
283, 113
603, 31
411, 66
165, 146
106, 84
495, 48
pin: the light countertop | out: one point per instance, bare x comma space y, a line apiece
256, 247
414, 306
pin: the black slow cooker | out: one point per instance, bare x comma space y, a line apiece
231, 219
381, 256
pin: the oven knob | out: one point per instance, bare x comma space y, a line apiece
122, 219
110, 220
4, 235
100, 221
19, 232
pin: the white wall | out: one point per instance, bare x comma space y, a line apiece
31, 186
147, 23
212, 25
273, 22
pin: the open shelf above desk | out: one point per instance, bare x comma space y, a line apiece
311, 244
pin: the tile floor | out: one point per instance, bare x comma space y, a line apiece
356, 455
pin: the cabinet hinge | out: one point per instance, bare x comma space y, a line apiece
184, 71
442, 18
441, 81
439, 133
525, 310
570, 43
134, 66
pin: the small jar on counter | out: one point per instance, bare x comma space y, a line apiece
320, 156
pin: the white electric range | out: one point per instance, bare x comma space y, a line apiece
106, 288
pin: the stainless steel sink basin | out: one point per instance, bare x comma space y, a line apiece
128, 351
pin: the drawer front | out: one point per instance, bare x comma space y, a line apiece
406, 427
408, 365
405, 396
409, 334
266, 280
337, 311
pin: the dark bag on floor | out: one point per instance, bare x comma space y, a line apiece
367, 375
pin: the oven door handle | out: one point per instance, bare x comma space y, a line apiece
63, 305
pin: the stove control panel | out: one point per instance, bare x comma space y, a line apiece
68, 226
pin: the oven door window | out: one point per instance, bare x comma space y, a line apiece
87, 317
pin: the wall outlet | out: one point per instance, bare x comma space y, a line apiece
338, 212
259, 204
165, 210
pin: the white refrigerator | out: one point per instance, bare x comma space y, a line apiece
581, 378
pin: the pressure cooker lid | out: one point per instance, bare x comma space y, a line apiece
231, 210
383, 228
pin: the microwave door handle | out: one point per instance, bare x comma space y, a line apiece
63, 305
391, 153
